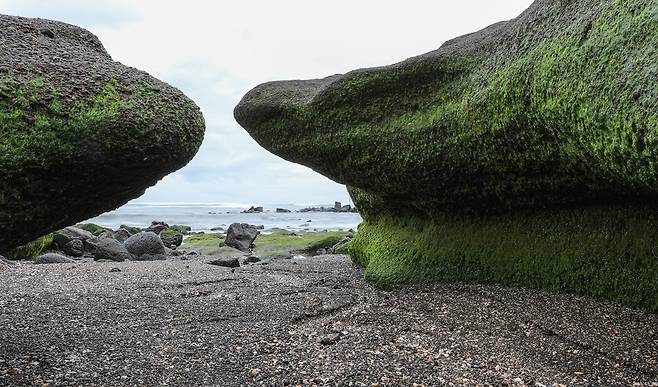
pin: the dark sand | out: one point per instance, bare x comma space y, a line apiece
306, 321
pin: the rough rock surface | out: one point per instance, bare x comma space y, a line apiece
146, 244
52, 258
81, 133
74, 248
122, 234
186, 323
525, 154
68, 234
241, 236
106, 246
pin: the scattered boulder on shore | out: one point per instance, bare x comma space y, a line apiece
67, 107
74, 248
282, 211
241, 236
156, 227
52, 258
106, 246
525, 154
145, 246
68, 234
122, 234
171, 238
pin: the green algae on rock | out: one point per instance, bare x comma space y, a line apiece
525, 154
81, 134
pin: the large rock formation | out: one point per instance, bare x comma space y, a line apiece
80, 134
525, 154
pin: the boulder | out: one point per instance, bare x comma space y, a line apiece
82, 134
282, 211
253, 210
146, 244
122, 234
183, 229
171, 238
525, 154
157, 227
52, 258
74, 248
106, 246
64, 236
241, 236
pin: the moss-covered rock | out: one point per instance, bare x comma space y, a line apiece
80, 134
483, 160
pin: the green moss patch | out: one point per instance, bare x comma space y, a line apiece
93, 228
607, 253
32, 249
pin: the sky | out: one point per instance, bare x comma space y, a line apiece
216, 51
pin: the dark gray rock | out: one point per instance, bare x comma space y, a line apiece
105, 246
67, 234
253, 210
172, 241
241, 236
330, 339
122, 234
226, 262
74, 248
282, 211
52, 258
145, 243
107, 131
251, 259
115, 270
157, 227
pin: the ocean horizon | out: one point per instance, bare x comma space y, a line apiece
204, 217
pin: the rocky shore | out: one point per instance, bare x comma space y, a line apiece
303, 321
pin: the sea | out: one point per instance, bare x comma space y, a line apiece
204, 217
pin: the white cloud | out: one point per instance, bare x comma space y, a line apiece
216, 51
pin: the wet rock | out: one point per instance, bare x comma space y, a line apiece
253, 210
282, 211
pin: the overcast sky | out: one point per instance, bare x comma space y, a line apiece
215, 51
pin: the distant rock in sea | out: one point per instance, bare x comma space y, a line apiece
81, 133
253, 210
338, 207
